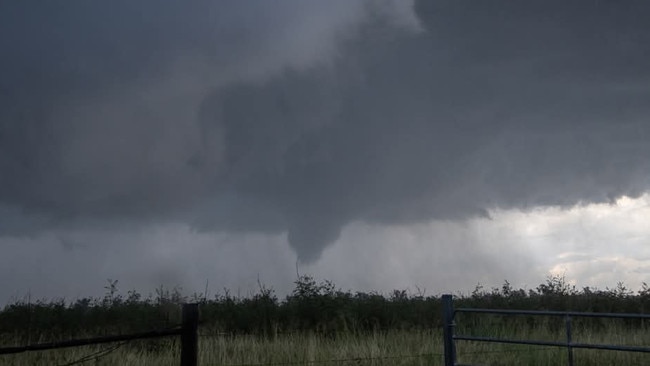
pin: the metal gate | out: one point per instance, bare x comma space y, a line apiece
449, 313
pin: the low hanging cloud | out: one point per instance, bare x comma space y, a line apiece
304, 118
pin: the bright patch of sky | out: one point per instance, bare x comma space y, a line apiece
593, 245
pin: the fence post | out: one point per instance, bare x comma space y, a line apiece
448, 329
569, 340
189, 336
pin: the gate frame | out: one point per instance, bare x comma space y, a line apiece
449, 313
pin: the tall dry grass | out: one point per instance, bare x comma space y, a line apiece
318, 323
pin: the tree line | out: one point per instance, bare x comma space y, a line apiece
312, 306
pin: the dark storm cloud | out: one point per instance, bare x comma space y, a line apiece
499, 104
99, 99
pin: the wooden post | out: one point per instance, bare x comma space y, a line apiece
190, 336
448, 330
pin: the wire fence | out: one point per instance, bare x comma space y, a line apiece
188, 331
96, 356
190, 335
91, 341
334, 360
380, 358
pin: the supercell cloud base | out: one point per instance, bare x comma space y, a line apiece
594, 245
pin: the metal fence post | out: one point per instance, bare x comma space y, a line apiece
567, 322
448, 329
190, 337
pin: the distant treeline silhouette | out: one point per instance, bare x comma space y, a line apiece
312, 306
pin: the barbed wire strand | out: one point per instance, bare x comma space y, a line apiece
362, 359
96, 355
334, 360
105, 352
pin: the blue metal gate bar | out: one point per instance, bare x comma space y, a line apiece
554, 313
554, 344
449, 314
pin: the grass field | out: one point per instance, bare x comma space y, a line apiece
320, 325
381, 348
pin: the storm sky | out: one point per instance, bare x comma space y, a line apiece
376, 143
